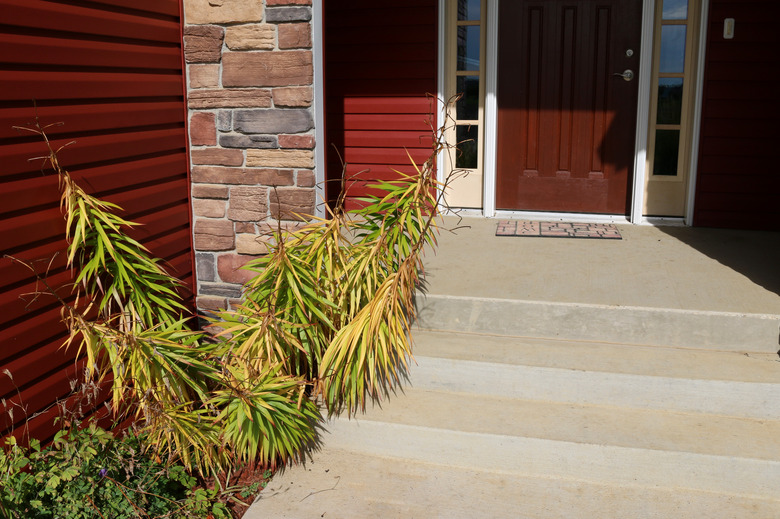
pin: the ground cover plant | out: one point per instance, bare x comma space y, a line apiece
324, 323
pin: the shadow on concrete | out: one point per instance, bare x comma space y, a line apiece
754, 254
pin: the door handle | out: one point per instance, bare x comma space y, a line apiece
627, 74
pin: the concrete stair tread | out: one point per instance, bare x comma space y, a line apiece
598, 356
341, 483
580, 423
540, 457
721, 397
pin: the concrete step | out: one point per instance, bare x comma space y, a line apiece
503, 425
583, 372
545, 458
599, 356
713, 435
617, 324
345, 484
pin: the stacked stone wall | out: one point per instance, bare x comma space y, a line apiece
250, 96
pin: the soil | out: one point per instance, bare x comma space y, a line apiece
244, 477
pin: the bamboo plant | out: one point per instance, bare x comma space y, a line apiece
324, 321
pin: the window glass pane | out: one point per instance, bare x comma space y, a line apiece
669, 100
468, 47
466, 155
468, 9
672, 49
467, 107
667, 147
675, 9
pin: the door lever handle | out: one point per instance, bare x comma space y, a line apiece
627, 74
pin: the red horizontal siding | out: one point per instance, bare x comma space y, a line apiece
395, 139
380, 66
63, 51
382, 121
141, 23
737, 181
111, 72
77, 85
387, 105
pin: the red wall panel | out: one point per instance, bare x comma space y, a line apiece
111, 71
380, 64
737, 181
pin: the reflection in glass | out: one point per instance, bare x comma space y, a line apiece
672, 49
468, 9
667, 148
670, 91
468, 47
467, 107
466, 155
675, 9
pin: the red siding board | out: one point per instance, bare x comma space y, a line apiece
169, 8
384, 155
745, 109
384, 87
380, 64
374, 69
745, 146
13, 275
399, 139
49, 51
28, 85
730, 165
380, 122
39, 328
75, 118
386, 105
51, 386
111, 71
382, 52
739, 127
18, 306
737, 185
95, 148
25, 229
84, 21
740, 89
367, 173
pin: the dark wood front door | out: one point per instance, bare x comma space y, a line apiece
566, 122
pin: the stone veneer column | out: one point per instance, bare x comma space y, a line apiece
250, 90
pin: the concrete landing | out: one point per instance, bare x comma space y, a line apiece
658, 267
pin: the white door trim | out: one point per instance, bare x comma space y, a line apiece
697, 106
491, 111
442, 162
319, 107
642, 111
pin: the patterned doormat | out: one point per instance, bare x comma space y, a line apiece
603, 231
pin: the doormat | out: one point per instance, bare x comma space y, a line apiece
601, 231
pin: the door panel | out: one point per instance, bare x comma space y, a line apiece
566, 124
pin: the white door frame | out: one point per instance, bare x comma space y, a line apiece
318, 44
642, 122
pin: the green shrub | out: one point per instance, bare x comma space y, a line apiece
325, 320
88, 473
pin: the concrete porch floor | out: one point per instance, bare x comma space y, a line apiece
659, 267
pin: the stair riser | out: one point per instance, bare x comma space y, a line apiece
628, 325
728, 398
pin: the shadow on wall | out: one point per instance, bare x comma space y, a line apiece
754, 254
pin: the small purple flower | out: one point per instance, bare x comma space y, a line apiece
102, 473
